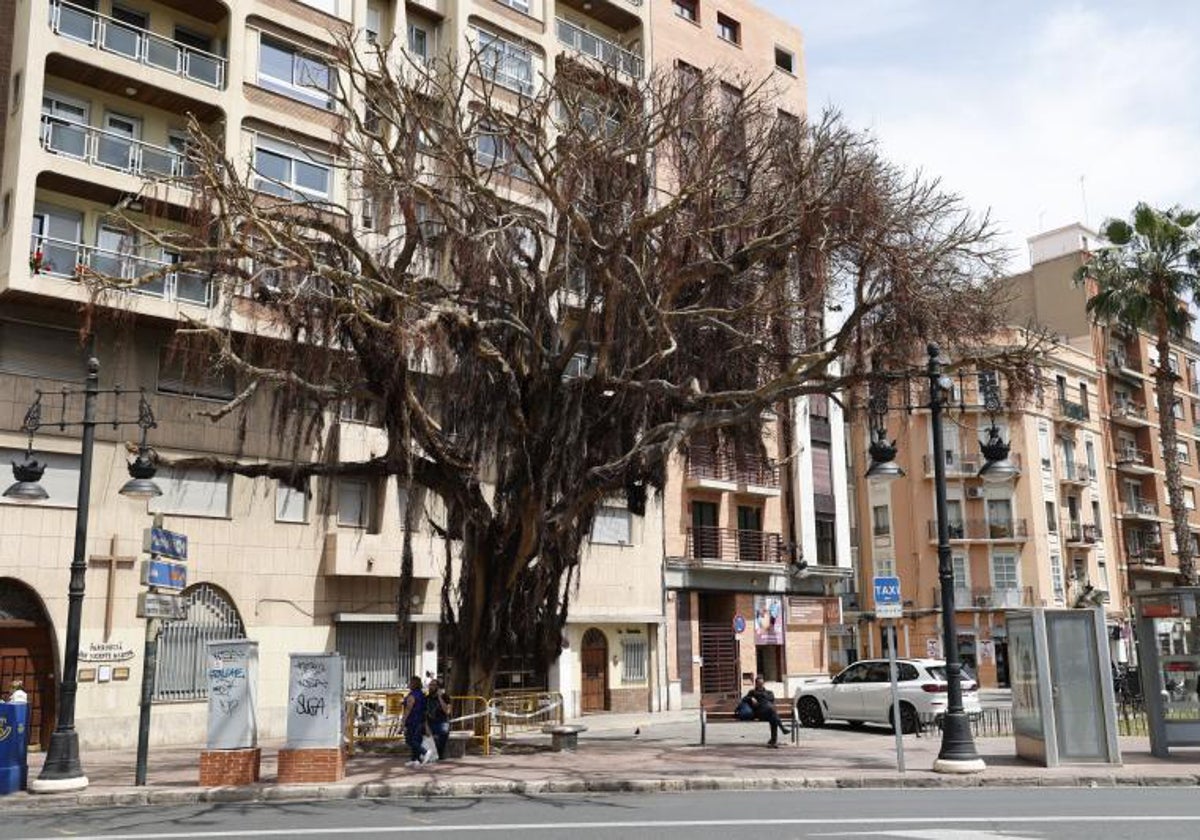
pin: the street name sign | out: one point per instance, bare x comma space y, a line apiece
160, 605
887, 598
163, 574
165, 543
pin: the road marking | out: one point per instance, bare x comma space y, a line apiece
932, 834
886, 822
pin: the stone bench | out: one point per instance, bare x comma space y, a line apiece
564, 736
456, 744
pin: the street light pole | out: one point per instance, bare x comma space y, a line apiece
62, 770
958, 754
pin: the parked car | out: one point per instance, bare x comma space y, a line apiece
863, 692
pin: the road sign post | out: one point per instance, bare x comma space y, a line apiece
889, 606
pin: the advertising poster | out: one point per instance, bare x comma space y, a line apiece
768, 620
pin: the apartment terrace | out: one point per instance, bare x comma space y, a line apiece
725, 545
719, 470
66, 259
1128, 413
1134, 461
1073, 413
608, 53
982, 530
987, 597
1080, 535
963, 466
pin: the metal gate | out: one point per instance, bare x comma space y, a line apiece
377, 656
183, 645
719, 653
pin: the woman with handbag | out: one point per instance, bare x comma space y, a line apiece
413, 721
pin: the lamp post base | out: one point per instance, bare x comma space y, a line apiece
61, 772
58, 785
956, 766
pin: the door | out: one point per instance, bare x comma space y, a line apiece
750, 536
27, 654
64, 125
57, 234
594, 672
1001, 646
719, 659
844, 698
117, 144
124, 32
112, 256
706, 538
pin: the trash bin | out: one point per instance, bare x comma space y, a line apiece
14, 737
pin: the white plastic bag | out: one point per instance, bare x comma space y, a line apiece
430, 750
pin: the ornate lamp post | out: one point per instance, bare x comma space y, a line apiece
62, 770
957, 754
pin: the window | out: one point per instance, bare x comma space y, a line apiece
520, 5
505, 63
962, 576
290, 171
374, 25
612, 526
633, 658
1185, 456
46, 352
881, 525
885, 567
1056, 577
283, 69
1051, 522
1189, 498
367, 219
1090, 449
497, 150
291, 505
6, 210
193, 376
18, 90
826, 542
785, 60
418, 42
728, 29
377, 655
356, 501
687, 9
1177, 408
329, 7
60, 480
1004, 571
192, 493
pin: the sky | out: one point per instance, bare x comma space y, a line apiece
1039, 113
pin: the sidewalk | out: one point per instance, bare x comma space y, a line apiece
639, 752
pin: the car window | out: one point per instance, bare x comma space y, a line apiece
906, 671
855, 673
879, 672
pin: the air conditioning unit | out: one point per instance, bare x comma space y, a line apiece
974, 492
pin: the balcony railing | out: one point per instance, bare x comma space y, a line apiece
1145, 555
724, 544
111, 150
1141, 507
62, 258
982, 529
1072, 411
1076, 472
1126, 410
1128, 456
111, 35
963, 466
991, 597
745, 470
603, 50
1078, 532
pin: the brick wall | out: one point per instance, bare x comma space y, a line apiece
314, 765
629, 699
220, 768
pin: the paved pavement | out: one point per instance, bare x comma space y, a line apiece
638, 752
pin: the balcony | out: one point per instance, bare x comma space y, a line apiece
608, 53
61, 258
109, 150
1135, 461
139, 45
1071, 412
1075, 473
963, 466
1140, 509
718, 470
1002, 597
1145, 555
1128, 413
963, 599
1002, 530
1079, 534
1118, 362
724, 545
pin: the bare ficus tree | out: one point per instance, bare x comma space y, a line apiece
543, 294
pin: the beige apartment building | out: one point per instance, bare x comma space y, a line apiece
1143, 546
1044, 539
96, 100
757, 545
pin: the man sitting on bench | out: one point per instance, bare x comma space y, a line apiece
762, 704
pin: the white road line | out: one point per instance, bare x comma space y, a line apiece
585, 826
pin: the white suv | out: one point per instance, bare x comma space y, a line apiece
863, 692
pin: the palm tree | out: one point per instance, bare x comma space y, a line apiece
1145, 281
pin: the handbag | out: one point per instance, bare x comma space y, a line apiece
744, 711
429, 746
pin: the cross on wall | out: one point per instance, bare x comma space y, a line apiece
112, 561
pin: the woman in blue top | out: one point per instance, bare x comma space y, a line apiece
414, 720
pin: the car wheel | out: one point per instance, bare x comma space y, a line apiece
810, 713
855, 724
909, 722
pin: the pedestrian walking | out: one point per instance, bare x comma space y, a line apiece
413, 721
762, 704
437, 715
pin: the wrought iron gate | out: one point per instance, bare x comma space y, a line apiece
183, 645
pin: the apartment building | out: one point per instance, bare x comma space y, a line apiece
757, 543
1042, 540
1143, 545
98, 97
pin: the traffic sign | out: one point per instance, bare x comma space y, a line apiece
887, 590
165, 543
164, 574
160, 605
889, 611
739, 623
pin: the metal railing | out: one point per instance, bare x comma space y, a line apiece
1002, 596
603, 50
983, 529
63, 258
110, 150
1078, 532
1129, 456
1124, 409
140, 45
1141, 507
748, 470
1073, 411
707, 543
1073, 471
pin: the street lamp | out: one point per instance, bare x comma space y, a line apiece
62, 770
958, 754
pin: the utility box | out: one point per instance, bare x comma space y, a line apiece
14, 740
1063, 708
1168, 640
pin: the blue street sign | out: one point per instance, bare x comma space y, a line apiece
164, 574
165, 543
887, 590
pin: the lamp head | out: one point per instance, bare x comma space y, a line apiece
997, 467
141, 483
28, 474
883, 469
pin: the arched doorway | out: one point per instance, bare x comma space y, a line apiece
593, 661
27, 654
183, 646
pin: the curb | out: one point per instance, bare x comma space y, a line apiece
443, 790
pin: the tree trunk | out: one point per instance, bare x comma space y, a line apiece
1165, 381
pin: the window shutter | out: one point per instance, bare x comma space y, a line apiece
46, 352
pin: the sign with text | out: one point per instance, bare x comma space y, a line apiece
315, 697
164, 574
105, 652
232, 694
165, 543
161, 605
887, 597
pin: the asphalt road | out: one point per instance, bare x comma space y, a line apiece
945, 814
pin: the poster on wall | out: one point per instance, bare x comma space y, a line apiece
768, 620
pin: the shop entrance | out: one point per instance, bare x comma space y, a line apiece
27, 654
593, 659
